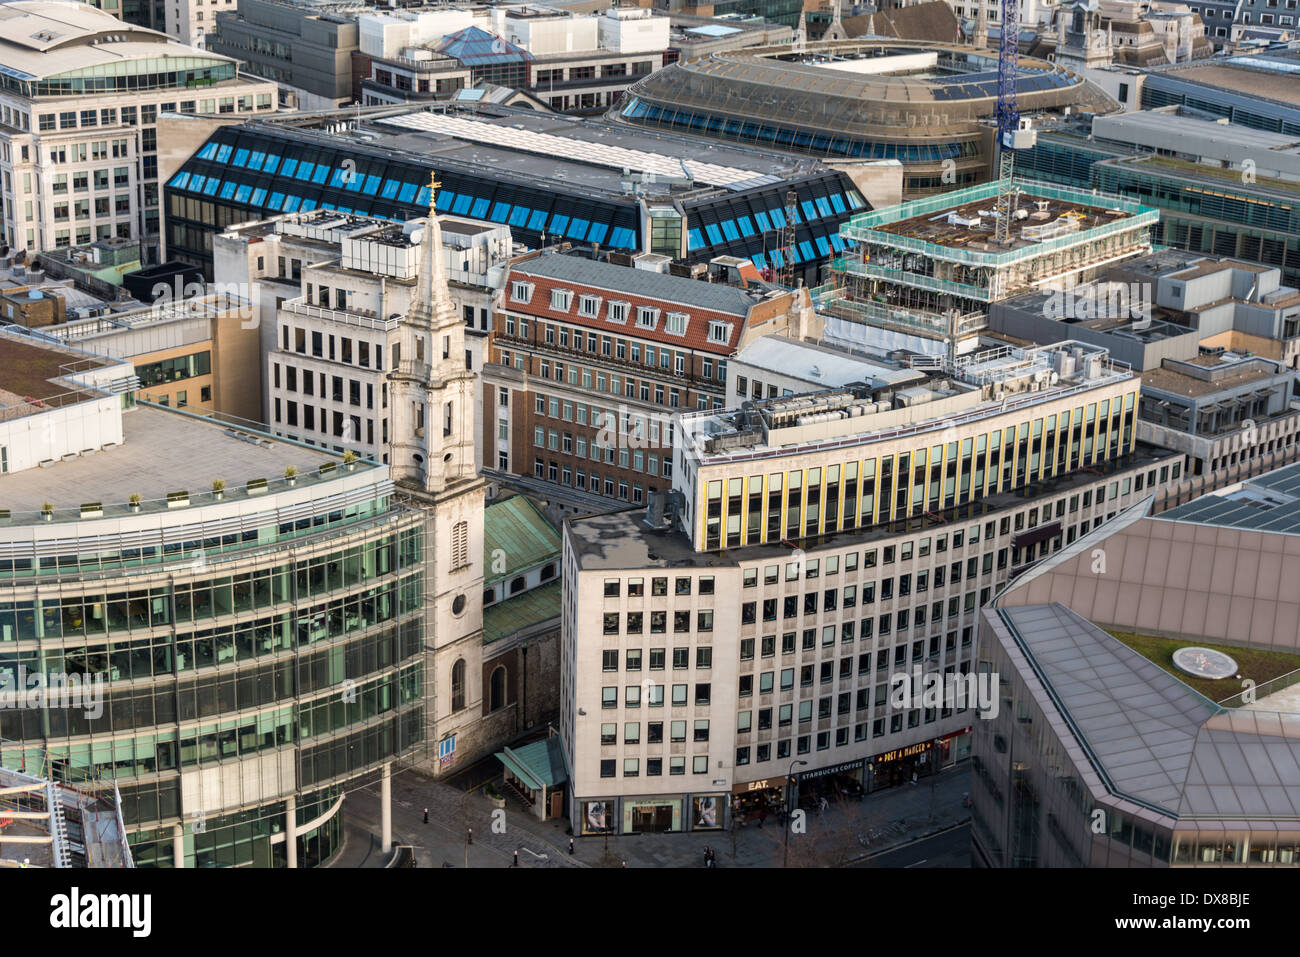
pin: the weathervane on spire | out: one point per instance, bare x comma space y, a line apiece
433, 190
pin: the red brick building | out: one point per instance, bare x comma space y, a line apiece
589, 360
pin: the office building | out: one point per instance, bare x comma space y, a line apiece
189, 23
590, 360
858, 102
776, 366
199, 354
1175, 132
1210, 207
580, 181
1215, 341
923, 275
80, 101
234, 738
814, 549
1104, 754
341, 286
305, 47
571, 62
217, 727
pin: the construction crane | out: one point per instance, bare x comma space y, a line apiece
1012, 135
788, 237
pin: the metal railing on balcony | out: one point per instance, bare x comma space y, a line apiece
300, 306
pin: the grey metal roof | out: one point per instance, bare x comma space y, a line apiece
1140, 723
718, 297
1245, 763
1269, 503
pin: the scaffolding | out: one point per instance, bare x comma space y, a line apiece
46, 822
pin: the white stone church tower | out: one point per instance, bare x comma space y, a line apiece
431, 458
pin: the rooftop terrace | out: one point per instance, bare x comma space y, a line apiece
30, 372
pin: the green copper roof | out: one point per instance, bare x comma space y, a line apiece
507, 617
540, 764
516, 537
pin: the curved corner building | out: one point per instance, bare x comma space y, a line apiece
931, 108
231, 659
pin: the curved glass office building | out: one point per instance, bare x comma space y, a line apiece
859, 100
225, 626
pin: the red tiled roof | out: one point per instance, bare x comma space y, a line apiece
697, 329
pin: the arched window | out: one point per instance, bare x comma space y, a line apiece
548, 571
458, 685
497, 692
517, 585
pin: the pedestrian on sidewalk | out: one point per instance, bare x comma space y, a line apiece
516, 858
426, 815
570, 845
469, 835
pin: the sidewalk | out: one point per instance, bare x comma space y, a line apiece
902, 815
830, 839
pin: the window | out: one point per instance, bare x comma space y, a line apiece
458, 685
588, 307
497, 689
521, 291
561, 299
676, 323
617, 313
719, 331
647, 317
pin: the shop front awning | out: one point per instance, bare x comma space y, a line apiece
539, 765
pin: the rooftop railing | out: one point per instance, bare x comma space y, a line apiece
301, 307
864, 229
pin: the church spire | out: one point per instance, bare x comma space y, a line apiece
432, 297
432, 388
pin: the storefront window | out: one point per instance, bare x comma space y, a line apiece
596, 817
707, 813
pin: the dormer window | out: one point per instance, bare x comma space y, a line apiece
719, 331
646, 317
589, 306
676, 323
521, 292
561, 299
617, 312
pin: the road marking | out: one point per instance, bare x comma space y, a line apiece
917, 864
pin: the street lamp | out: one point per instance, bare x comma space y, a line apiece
789, 814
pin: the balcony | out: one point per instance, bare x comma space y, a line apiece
359, 320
